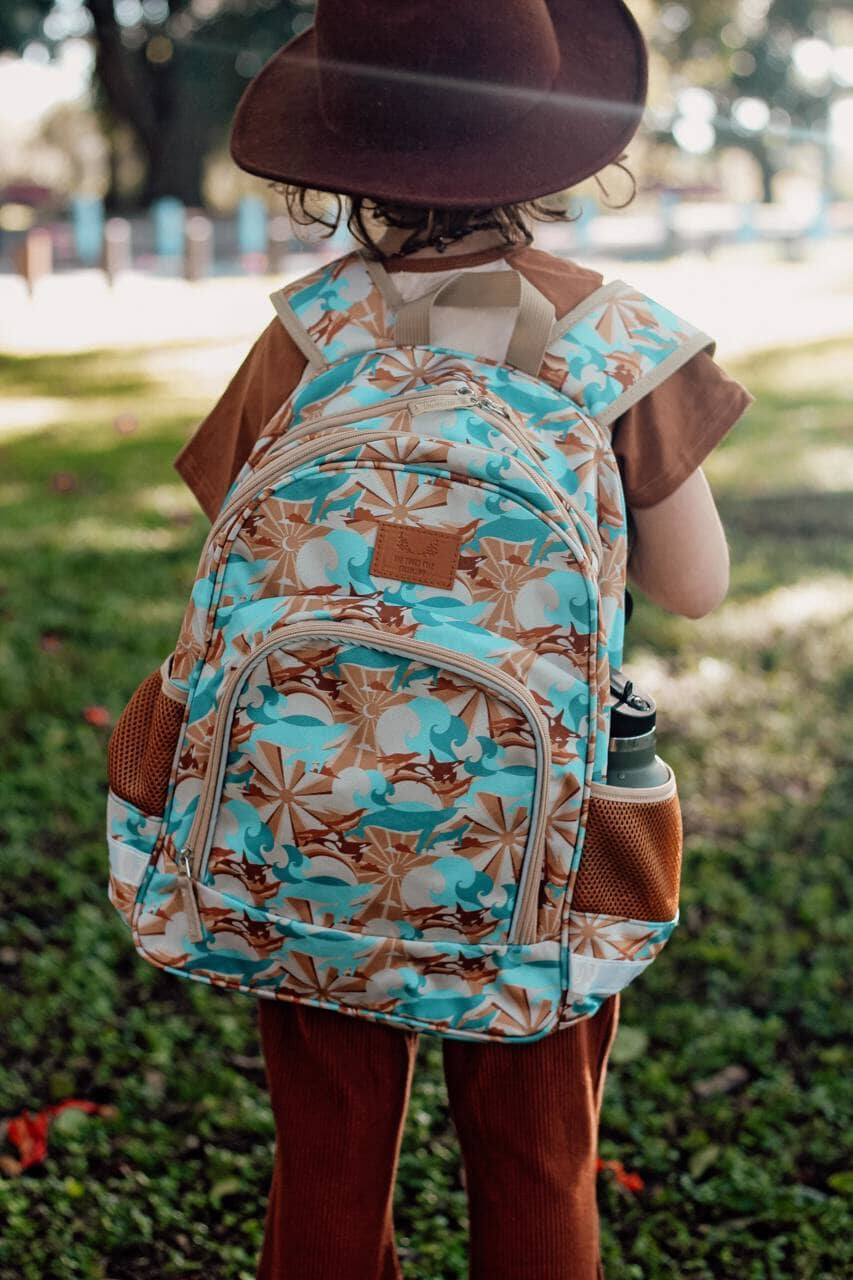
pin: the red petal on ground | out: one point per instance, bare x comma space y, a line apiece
28, 1133
631, 1181
98, 716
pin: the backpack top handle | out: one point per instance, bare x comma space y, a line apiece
533, 325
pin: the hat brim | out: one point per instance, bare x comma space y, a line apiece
581, 125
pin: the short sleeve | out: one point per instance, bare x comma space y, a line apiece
667, 435
222, 442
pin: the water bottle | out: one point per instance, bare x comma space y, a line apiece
632, 760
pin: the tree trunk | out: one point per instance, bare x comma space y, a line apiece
175, 169
755, 146
146, 96
768, 173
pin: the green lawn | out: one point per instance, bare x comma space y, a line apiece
730, 1090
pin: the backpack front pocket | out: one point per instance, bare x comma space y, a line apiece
625, 900
374, 784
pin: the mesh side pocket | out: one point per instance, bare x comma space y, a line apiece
142, 746
631, 860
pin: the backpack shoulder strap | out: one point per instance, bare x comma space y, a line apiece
616, 347
352, 305
343, 307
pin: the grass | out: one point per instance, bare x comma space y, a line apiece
729, 1089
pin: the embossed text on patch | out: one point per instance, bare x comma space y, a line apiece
407, 553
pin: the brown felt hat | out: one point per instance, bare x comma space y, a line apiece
446, 103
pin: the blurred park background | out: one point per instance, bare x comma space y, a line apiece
135, 264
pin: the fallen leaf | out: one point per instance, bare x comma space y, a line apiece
10, 1167
247, 1062
631, 1181
225, 1187
124, 424
63, 481
50, 642
155, 1082
28, 1132
722, 1081
702, 1160
98, 716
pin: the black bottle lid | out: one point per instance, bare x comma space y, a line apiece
631, 713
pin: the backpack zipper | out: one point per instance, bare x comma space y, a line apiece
292, 455
193, 856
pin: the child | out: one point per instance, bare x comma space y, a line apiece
447, 121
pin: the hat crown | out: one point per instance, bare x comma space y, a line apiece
454, 104
404, 69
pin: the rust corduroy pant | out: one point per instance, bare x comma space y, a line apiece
527, 1119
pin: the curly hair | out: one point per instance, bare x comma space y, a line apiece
427, 227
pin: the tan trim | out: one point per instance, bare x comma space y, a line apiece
603, 977
297, 331
383, 281
645, 385
170, 690
636, 795
590, 303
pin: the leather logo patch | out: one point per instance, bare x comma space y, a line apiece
409, 554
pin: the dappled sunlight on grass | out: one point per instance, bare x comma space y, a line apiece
89, 389
829, 468
170, 501
782, 613
797, 436
91, 533
19, 414
813, 367
749, 712
99, 542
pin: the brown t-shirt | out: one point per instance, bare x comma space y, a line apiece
658, 442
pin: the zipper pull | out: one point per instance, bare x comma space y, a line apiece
195, 928
437, 402
492, 405
524, 433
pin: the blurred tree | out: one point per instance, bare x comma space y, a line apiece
19, 23
169, 72
767, 65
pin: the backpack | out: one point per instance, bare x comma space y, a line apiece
371, 775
